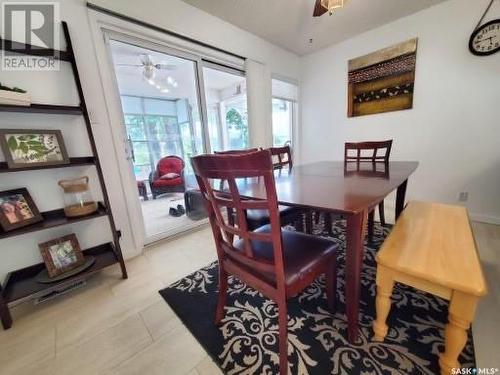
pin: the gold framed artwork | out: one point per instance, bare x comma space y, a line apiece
33, 148
382, 81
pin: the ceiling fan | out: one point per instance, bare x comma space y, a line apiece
147, 63
323, 6
149, 73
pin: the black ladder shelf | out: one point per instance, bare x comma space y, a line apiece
20, 285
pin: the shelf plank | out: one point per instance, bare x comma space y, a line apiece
52, 219
73, 162
21, 285
42, 108
30, 50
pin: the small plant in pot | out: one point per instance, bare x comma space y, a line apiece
14, 96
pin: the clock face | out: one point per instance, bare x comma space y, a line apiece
486, 39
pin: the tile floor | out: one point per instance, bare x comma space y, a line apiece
158, 223
115, 326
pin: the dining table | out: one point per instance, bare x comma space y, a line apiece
352, 189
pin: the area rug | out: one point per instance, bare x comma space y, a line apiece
247, 341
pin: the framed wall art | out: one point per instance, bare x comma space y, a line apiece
33, 148
382, 81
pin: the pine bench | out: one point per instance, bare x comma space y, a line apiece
432, 248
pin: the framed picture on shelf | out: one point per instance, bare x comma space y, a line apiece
61, 254
17, 209
33, 148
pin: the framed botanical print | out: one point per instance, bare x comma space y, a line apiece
61, 254
33, 148
17, 209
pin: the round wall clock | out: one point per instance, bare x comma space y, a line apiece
485, 40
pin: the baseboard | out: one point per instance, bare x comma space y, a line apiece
488, 219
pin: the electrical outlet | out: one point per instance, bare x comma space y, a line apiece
463, 196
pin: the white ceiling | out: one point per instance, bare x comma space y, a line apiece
131, 81
289, 23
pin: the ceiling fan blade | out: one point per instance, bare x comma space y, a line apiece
134, 65
319, 9
165, 66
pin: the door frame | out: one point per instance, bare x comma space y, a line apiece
102, 27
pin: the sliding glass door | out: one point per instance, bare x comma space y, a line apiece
227, 113
166, 122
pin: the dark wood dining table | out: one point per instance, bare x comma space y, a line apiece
351, 189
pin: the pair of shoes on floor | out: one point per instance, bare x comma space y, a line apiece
177, 212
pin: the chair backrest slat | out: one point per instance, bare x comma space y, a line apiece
373, 146
219, 196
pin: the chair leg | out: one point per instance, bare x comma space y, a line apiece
381, 213
371, 225
309, 222
328, 223
221, 301
331, 283
317, 217
283, 336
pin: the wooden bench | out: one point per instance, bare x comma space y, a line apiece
432, 248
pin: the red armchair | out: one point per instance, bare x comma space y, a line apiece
168, 177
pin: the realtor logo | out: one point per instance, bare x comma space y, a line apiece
30, 36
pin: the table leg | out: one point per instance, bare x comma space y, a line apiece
400, 198
460, 314
354, 263
385, 284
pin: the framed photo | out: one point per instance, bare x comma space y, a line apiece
61, 255
33, 148
17, 209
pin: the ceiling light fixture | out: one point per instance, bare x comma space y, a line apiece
332, 5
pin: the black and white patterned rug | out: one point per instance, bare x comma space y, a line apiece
247, 341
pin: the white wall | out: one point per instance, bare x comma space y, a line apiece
453, 129
56, 88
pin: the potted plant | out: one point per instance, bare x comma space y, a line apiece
14, 96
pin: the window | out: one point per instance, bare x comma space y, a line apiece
226, 98
284, 111
153, 131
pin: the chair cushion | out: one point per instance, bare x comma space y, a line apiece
170, 176
258, 218
167, 182
170, 164
302, 253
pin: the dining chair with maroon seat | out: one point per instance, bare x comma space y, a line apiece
258, 218
168, 176
278, 263
369, 152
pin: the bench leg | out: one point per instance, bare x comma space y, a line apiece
461, 313
385, 284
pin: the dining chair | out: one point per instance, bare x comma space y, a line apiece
258, 218
276, 262
282, 157
366, 152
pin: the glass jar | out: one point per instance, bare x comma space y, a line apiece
78, 200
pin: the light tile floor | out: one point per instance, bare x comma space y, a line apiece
115, 326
